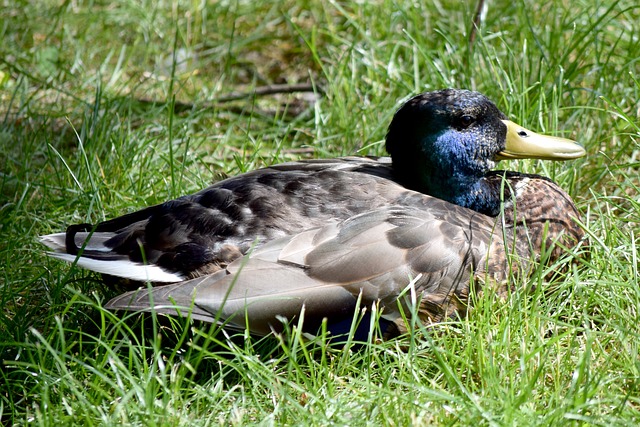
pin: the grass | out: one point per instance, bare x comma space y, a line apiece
80, 142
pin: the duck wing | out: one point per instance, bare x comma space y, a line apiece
201, 233
371, 257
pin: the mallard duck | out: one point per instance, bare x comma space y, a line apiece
325, 232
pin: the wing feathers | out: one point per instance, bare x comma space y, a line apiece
326, 270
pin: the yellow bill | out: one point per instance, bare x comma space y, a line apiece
525, 144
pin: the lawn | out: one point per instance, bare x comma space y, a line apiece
107, 107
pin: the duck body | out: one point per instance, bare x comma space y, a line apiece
324, 231
442, 250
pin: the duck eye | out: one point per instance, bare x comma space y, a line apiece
466, 121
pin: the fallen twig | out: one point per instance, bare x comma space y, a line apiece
180, 106
478, 17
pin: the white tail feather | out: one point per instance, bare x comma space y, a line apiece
122, 268
54, 241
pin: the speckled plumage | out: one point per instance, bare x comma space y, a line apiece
325, 231
373, 256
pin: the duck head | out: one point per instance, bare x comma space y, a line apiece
443, 143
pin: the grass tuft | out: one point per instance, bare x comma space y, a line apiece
109, 107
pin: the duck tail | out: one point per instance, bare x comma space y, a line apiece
93, 248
